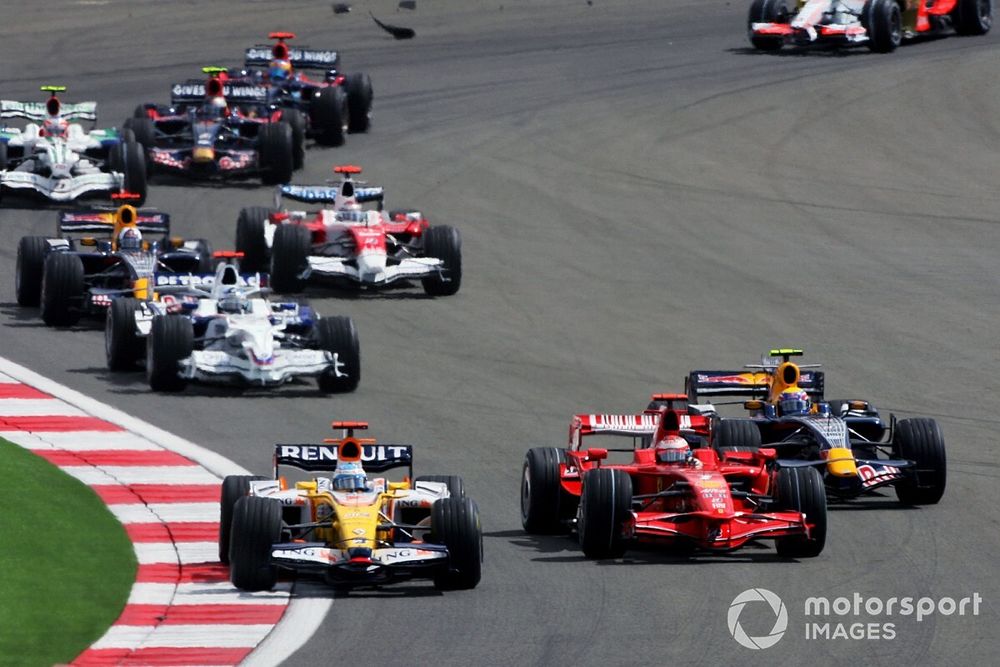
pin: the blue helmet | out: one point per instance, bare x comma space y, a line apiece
279, 70
350, 476
794, 402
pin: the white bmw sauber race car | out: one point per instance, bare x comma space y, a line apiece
60, 160
222, 328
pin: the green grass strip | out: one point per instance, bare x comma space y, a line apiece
66, 564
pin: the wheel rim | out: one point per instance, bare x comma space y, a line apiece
17, 276
525, 492
895, 26
985, 13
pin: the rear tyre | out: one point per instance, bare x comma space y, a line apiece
543, 503
767, 11
29, 269
456, 487
359, 101
443, 243
884, 22
234, 487
171, 339
62, 289
920, 440
736, 435
297, 122
250, 238
604, 507
256, 526
338, 336
801, 490
276, 153
289, 258
329, 116
122, 345
973, 17
455, 524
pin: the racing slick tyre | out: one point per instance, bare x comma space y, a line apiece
62, 289
276, 153
3, 155
604, 507
234, 487
767, 11
206, 262
801, 490
289, 258
736, 435
359, 102
250, 238
972, 17
884, 22
29, 268
255, 527
455, 524
920, 440
132, 162
456, 487
443, 243
544, 504
170, 340
339, 336
122, 345
330, 116
142, 127
297, 121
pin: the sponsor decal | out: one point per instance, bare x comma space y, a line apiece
202, 280
228, 90
329, 453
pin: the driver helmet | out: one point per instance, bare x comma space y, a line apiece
794, 402
130, 238
279, 69
350, 476
54, 126
233, 304
215, 106
673, 449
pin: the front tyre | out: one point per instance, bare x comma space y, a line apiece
443, 243
234, 487
604, 507
973, 17
171, 340
329, 113
256, 526
62, 289
276, 153
122, 345
455, 524
884, 22
290, 258
767, 11
250, 239
920, 440
30, 267
801, 490
541, 490
338, 336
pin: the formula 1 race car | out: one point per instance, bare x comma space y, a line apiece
214, 129
58, 159
331, 106
669, 494
70, 282
226, 330
366, 248
857, 450
881, 24
348, 529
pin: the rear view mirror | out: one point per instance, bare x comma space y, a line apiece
596, 454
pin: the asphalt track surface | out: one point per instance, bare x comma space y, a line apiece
639, 194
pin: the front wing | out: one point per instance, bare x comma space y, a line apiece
285, 365
408, 269
62, 189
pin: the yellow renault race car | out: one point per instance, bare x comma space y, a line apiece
349, 529
847, 439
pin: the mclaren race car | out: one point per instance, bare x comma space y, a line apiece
223, 329
215, 129
848, 440
669, 493
58, 159
346, 528
346, 243
99, 255
881, 24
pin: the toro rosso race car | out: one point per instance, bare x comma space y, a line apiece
848, 440
224, 329
98, 256
365, 248
217, 129
346, 528
58, 159
669, 494
330, 106
881, 24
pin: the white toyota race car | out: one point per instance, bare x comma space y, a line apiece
223, 329
58, 159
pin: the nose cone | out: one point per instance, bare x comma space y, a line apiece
203, 154
841, 462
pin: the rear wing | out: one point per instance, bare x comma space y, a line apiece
325, 194
206, 281
301, 57
192, 92
102, 221
710, 384
37, 110
323, 457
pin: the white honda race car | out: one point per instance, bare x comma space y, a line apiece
223, 329
61, 161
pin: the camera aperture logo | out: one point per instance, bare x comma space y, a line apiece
777, 608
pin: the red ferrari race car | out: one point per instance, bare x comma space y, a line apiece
880, 24
347, 243
669, 494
